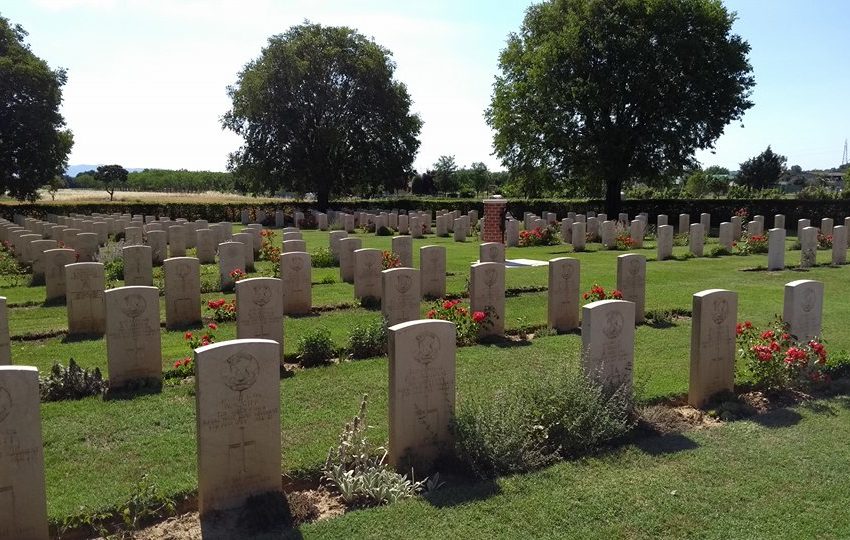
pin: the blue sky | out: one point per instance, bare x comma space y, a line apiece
147, 78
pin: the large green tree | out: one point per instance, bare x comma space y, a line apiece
320, 111
34, 144
762, 171
445, 174
111, 177
612, 91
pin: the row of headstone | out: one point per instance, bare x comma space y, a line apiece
238, 395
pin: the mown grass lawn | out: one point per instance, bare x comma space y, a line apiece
782, 476
96, 451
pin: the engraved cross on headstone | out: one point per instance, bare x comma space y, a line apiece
241, 446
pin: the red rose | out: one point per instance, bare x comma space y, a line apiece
479, 316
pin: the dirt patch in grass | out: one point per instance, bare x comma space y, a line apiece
319, 503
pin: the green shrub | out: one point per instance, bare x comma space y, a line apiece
719, 251
114, 270
323, 258
72, 382
368, 340
838, 365
327, 280
384, 231
681, 239
544, 417
315, 348
112, 258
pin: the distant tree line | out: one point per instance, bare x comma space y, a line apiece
159, 180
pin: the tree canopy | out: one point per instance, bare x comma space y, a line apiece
34, 144
762, 171
111, 177
611, 91
320, 111
444, 170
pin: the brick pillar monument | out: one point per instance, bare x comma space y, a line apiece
494, 220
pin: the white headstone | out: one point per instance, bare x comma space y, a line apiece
631, 281
138, 269
133, 344
23, 498
231, 256
237, 397
608, 342
421, 392
260, 309
713, 349
295, 272
182, 291
367, 273
664, 245
401, 295
803, 308
563, 294
776, 249
84, 284
487, 294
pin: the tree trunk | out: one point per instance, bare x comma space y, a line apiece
613, 185
322, 197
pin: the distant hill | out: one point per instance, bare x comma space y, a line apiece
74, 170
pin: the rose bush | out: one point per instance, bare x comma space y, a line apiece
222, 310
777, 361
185, 367
468, 322
539, 236
390, 260
751, 244
598, 293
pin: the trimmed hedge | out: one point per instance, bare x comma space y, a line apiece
720, 209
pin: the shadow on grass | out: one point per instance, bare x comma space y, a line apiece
309, 315
819, 407
659, 324
572, 331
503, 343
778, 418
76, 338
133, 389
182, 327
462, 492
268, 515
665, 444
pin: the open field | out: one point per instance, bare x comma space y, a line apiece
99, 195
155, 434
